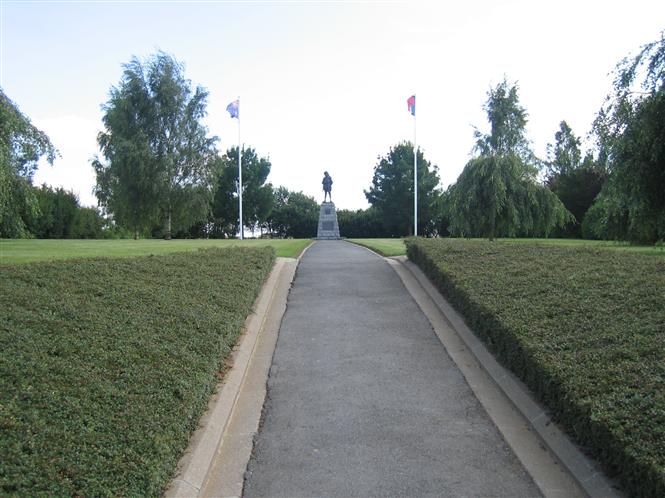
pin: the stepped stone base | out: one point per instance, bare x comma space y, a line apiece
328, 226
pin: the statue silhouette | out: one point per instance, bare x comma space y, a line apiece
327, 186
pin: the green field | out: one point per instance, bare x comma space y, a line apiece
107, 364
583, 327
385, 247
27, 250
396, 247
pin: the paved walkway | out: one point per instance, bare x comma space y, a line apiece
363, 399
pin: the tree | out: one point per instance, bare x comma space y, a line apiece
497, 193
391, 192
508, 121
565, 154
631, 132
294, 214
257, 195
58, 211
21, 146
61, 216
160, 161
576, 182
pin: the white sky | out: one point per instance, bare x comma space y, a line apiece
323, 85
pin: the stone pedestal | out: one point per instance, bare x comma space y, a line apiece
328, 227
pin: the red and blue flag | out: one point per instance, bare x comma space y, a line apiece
411, 102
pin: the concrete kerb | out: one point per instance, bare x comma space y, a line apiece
242, 390
506, 399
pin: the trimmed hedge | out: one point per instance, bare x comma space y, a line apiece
583, 328
106, 365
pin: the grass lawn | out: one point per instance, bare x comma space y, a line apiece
396, 247
583, 327
27, 250
385, 247
107, 364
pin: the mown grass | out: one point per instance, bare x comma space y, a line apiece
583, 327
28, 250
385, 247
396, 247
107, 364
658, 250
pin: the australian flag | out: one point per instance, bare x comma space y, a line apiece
411, 102
234, 109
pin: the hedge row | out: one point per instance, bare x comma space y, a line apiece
106, 365
583, 328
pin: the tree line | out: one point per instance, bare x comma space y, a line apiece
159, 173
614, 191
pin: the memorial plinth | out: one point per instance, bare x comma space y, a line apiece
328, 226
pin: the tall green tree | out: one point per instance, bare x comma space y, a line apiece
391, 192
631, 132
576, 181
565, 154
160, 163
21, 146
507, 119
257, 195
497, 193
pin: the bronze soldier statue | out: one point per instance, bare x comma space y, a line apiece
327, 186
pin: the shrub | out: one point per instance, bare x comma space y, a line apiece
583, 328
106, 365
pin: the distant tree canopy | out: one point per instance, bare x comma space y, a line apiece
257, 194
21, 146
160, 163
62, 217
294, 214
391, 192
574, 180
497, 193
631, 134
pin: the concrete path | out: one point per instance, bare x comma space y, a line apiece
363, 399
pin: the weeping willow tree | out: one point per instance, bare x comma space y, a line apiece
631, 134
21, 147
498, 193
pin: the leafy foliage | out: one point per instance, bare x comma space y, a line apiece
61, 217
631, 132
361, 223
391, 192
576, 181
294, 214
257, 198
160, 162
583, 328
106, 365
497, 193
508, 121
21, 143
497, 196
21, 146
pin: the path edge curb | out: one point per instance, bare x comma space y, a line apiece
585, 472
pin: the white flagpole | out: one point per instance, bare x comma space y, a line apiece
239, 174
415, 178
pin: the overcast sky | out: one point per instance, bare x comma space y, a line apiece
323, 85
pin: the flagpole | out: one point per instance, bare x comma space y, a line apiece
239, 174
415, 178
